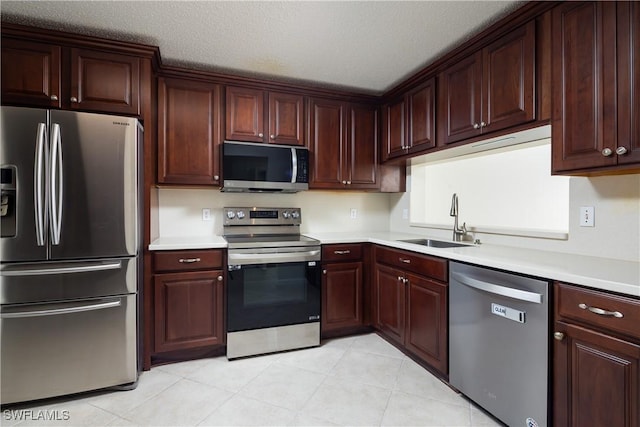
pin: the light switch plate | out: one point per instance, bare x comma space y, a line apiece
206, 214
587, 216
354, 213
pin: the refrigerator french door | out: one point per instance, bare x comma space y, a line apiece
69, 255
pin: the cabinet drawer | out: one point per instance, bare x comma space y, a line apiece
599, 309
424, 265
187, 260
346, 252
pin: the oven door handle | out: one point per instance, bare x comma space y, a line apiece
273, 258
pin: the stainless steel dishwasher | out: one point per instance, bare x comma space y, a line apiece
499, 342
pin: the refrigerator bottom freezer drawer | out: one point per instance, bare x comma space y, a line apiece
57, 349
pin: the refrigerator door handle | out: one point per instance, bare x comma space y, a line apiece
62, 268
56, 184
66, 309
39, 188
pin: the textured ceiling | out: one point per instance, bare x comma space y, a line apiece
369, 46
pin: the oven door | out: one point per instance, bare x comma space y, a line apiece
272, 294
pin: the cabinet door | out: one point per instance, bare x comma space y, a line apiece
188, 132
628, 25
105, 82
427, 329
509, 87
245, 114
596, 379
393, 129
286, 119
460, 99
389, 302
362, 148
189, 310
30, 73
422, 117
584, 85
327, 146
341, 296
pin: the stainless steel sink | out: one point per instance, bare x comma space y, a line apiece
435, 243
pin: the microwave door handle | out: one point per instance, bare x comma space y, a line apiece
39, 188
294, 165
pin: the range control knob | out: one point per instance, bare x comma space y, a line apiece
240, 214
286, 214
231, 214
295, 214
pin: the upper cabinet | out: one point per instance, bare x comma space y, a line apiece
490, 90
409, 122
258, 116
35, 74
596, 87
188, 132
343, 140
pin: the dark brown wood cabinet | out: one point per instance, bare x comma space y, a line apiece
189, 132
35, 74
409, 122
255, 115
490, 90
410, 304
596, 73
342, 289
343, 141
188, 300
596, 362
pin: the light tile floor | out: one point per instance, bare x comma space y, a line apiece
359, 380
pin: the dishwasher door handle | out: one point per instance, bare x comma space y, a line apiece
497, 289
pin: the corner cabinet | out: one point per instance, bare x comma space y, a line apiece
188, 300
410, 304
255, 115
596, 87
188, 132
596, 363
343, 141
490, 90
47, 75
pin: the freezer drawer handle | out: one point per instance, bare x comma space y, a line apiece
498, 290
63, 269
66, 310
600, 311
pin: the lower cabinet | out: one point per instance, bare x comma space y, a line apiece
188, 300
410, 303
596, 365
342, 289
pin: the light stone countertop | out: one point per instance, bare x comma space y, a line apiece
600, 273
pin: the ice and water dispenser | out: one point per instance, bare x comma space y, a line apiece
8, 201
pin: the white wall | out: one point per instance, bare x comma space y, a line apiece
616, 234
322, 211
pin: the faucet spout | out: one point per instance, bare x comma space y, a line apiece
458, 232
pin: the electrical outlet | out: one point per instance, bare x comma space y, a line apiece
354, 213
206, 214
587, 216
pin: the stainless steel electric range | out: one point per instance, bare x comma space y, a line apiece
273, 282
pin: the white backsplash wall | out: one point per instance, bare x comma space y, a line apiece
616, 234
180, 212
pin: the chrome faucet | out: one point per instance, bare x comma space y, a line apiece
458, 233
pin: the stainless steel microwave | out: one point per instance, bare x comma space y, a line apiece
254, 167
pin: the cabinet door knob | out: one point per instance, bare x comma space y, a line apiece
219, 278
344, 182
559, 336
260, 135
273, 137
54, 97
74, 99
607, 152
476, 126
621, 151
483, 124
348, 182
324, 271
216, 177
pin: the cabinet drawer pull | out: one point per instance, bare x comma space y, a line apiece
188, 260
405, 260
600, 311
345, 252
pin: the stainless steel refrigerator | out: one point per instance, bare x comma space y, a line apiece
70, 245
